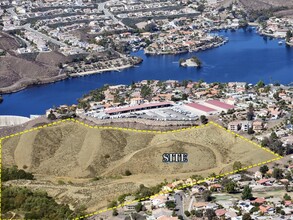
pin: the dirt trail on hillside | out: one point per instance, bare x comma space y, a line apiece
74, 153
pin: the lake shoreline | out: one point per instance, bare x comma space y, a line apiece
25, 84
247, 57
22, 85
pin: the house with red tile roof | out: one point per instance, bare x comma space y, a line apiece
258, 126
259, 200
220, 212
217, 187
266, 209
200, 205
264, 182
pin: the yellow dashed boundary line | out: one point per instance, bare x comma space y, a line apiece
278, 157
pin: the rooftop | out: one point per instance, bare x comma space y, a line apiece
220, 104
201, 107
137, 107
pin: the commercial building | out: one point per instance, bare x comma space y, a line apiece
218, 105
135, 108
200, 109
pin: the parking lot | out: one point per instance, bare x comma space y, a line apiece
169, 114
175, 113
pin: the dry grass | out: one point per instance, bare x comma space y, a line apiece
269, 4
7, 42
75, 153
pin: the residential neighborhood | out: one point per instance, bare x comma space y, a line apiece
152, 109
261, 194
260, 112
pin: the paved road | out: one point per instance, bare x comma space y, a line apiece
11, 11
44, 36
27, 27
191, 203
179, 199
101, 7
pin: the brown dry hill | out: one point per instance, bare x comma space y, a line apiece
72, 150
257, 5
52, 58
266, 4
18, 70
74, 154
7, 42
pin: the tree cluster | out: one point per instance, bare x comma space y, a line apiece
145, 192
289, 35
203, 119
247, 193
13, 173
275, 145
35, 205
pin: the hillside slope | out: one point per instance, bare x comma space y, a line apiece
266, 4
76, 151
74, 154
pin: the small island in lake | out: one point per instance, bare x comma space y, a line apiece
191, 62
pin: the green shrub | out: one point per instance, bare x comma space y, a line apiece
128, 173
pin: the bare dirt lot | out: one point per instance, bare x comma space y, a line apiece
18, 71
7, 42
266, 4
66, 157
284, 6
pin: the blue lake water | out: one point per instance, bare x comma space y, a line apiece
247, 57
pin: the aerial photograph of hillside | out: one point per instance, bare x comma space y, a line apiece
146, 109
